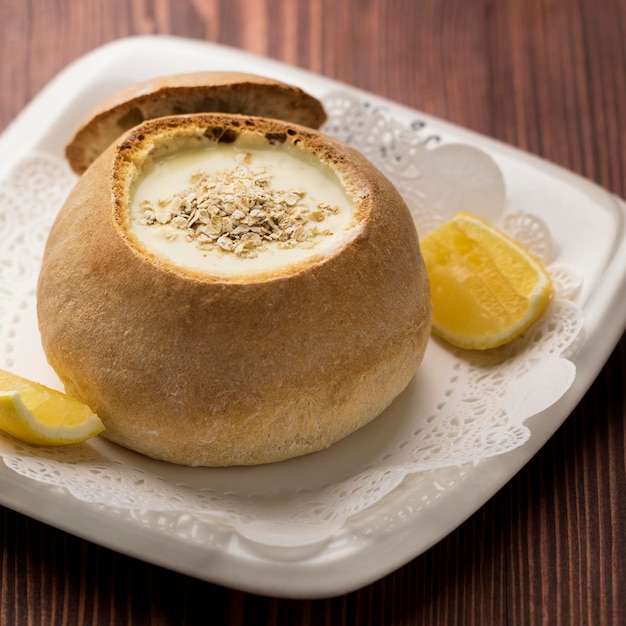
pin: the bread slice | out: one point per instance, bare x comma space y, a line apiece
225, 92
197, 369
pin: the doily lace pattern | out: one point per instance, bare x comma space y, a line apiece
460, 408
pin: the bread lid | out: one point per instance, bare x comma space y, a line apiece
201, 92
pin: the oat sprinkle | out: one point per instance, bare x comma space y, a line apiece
238, 211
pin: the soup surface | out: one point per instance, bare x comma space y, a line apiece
240, 209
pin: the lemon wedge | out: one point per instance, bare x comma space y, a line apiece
486, 288
38, 415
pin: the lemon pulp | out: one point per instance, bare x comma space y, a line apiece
39, 415
486, 289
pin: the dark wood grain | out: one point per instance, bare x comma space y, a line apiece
548, 76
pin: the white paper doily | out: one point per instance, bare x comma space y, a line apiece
460, 407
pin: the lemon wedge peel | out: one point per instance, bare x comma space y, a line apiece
486, 288
39, 415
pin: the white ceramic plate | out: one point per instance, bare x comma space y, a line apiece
404, 523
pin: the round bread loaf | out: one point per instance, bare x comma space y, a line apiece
209, 92
244, 367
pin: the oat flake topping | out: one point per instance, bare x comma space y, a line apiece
237, 211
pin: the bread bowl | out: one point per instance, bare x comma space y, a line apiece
254, 364
215, 91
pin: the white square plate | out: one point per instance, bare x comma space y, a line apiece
402, 525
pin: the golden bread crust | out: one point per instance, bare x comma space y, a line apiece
224, 92
199, 370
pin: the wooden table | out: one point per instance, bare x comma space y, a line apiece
548, 76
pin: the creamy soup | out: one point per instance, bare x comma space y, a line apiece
240, 209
